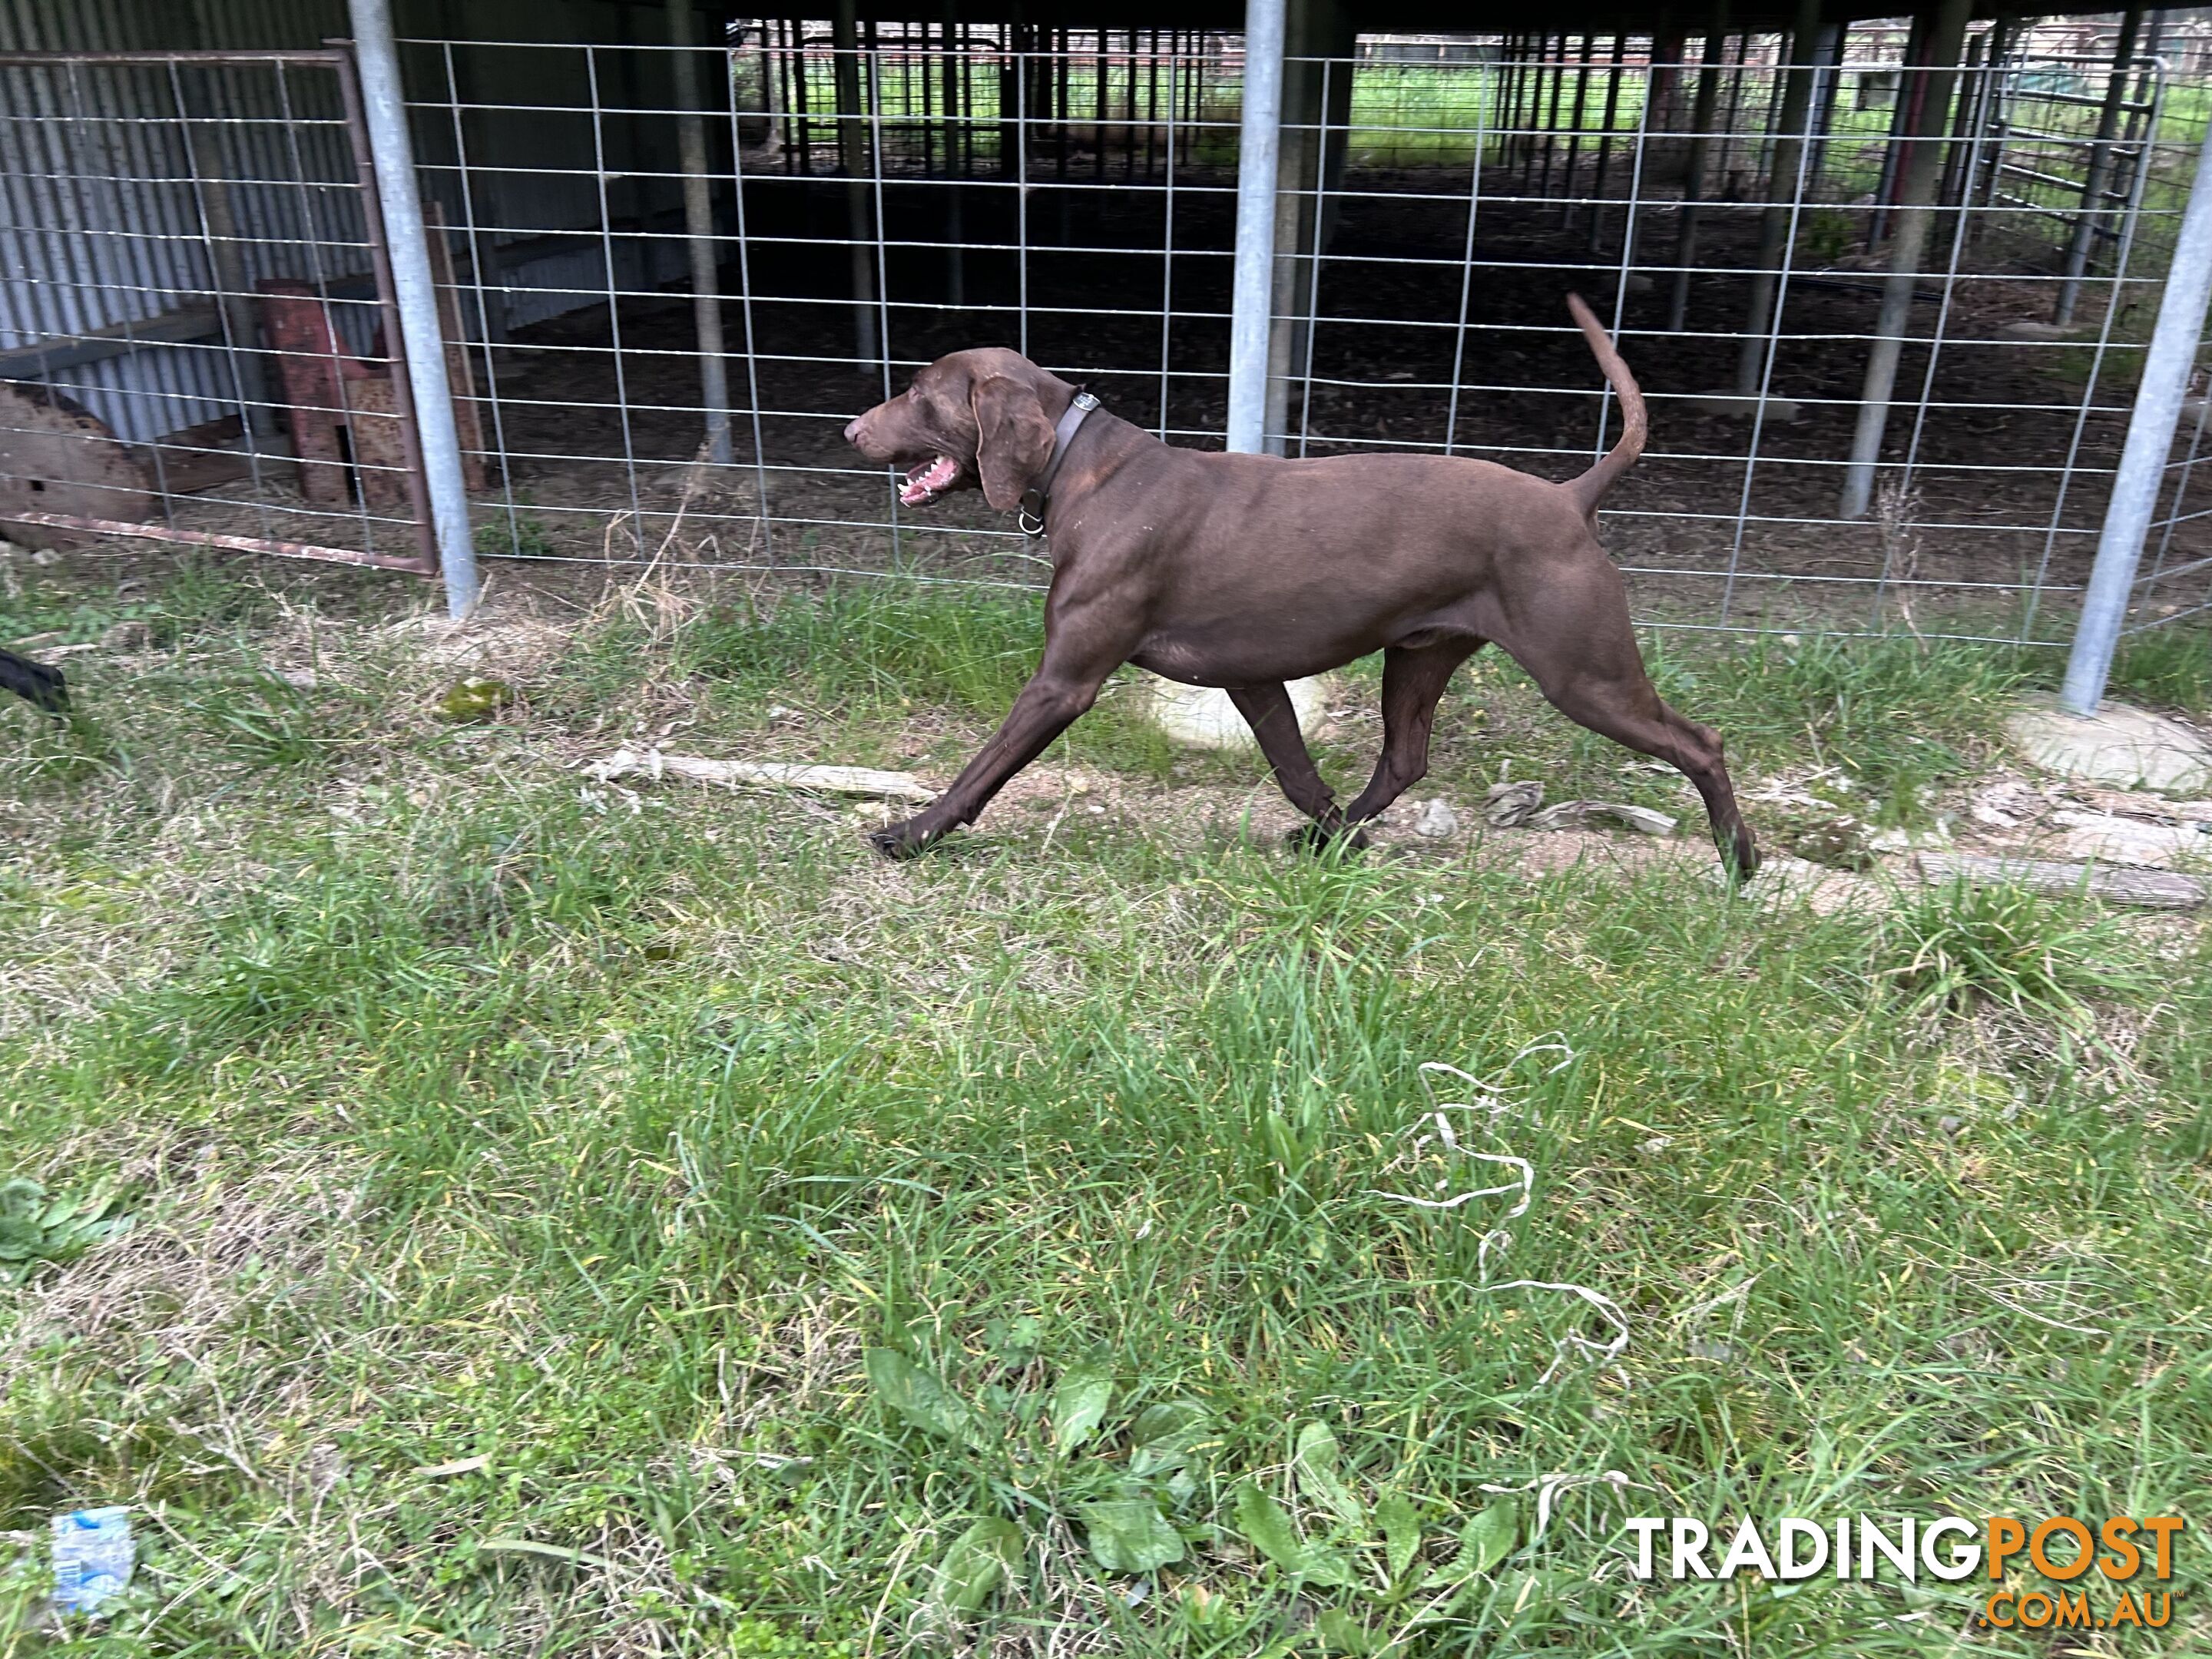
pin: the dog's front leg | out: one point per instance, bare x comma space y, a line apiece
1047, 706
1077, 660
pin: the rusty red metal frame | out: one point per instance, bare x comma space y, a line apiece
387, 300
293, 55
338, 57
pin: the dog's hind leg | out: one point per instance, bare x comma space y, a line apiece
1634, 715
1576, 643
1267, 710
1413, 681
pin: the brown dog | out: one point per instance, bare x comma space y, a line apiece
1246, 571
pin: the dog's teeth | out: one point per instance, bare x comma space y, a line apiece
923, 482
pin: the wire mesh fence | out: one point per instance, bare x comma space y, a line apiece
1833, 445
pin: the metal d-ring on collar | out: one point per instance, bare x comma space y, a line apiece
1031, 516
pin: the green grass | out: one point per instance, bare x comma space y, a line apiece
2168, 667
1815, 706
1953, 948
523, 1177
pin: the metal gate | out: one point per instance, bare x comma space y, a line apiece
199, 338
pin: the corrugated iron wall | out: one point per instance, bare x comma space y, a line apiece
107, 174
101, 225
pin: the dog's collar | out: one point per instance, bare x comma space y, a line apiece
1030, 517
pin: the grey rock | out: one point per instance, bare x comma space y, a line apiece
1437, 821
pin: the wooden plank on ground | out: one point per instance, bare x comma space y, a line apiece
827, 779
2155, 890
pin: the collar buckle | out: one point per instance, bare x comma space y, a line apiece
1030, 517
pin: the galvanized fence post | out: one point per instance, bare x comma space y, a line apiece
2142, 474
1258, 147
421, 341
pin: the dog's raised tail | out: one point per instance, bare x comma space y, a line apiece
1590, 489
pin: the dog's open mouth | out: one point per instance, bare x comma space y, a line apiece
926, 482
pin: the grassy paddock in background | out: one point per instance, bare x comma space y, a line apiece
524, 1174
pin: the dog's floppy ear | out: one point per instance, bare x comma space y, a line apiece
1014, 440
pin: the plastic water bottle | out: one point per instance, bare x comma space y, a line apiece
92, 1557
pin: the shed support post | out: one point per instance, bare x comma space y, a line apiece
699, 229
1923, 169
2093, 188
1785, 178
852, 162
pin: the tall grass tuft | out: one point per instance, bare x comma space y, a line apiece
1948, 949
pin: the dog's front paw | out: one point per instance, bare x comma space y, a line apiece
1318, 838
901, 841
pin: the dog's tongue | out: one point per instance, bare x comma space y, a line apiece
924, 482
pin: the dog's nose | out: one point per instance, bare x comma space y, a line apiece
853, 431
